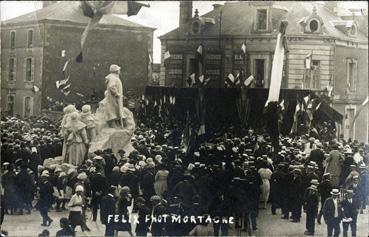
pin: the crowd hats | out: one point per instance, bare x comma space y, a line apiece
79, 188
45, 173
314, 182
335, 192
82, 176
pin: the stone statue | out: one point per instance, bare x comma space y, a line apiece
114, 98
114, 123
88, 118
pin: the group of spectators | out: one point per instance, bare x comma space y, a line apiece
230, 174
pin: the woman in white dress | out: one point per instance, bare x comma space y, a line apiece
265, 174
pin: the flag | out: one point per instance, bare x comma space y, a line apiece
65, 65
35, 89
201, 79
206, 81
362, 106
308, 61
191, 80
80, 95
62, 82
277, 66
96, 9
249, 81
66, 93
199, 54
230, 80
166, 57
282, 105
63, 53
243, 48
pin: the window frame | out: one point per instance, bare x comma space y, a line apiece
30, 45
353, 83
13, 43
7, 101
14, 69
30, 105
31, 67
257, 19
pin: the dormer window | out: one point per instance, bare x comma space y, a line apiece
313, 25
195, 27
261, 19
353, 30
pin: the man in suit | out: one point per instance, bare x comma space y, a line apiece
325, 189
311, 204
350, 210
332, 213
99, 187
107, 209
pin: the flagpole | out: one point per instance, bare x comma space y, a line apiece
220, 48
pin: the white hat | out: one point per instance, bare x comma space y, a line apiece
114, 68
79, 188
45, 173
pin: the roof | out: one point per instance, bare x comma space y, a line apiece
236, 20
69, 11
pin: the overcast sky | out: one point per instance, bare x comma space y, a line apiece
163, 15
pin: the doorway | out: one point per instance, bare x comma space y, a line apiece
259, 73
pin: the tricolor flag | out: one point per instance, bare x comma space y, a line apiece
96, 9
249, 81
199, 54
35, 89
243, 48
329, 87
308, 59
191, 80
362, 106
61, 83
277, 66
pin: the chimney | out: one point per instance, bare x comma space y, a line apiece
216, 6
185, 12
47, 3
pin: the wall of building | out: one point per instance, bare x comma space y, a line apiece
20, 87
353, 99
103, 47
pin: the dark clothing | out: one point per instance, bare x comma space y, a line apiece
65, 232
350, 210
142, 226
24, 189
158, 228
333, 223
311, 207
99, 187
107, 208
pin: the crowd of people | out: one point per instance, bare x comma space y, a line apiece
227, 178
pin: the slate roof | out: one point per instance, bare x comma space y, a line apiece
69, 11
237, 19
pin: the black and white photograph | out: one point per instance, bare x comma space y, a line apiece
184, 118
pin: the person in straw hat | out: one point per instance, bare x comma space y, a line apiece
75, 205
311, 206
332, 213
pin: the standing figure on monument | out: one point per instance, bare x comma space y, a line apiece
88, 118
66, 117
114, 98
75, 139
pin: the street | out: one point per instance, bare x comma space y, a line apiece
268, 225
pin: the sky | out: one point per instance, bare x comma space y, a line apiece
162, 15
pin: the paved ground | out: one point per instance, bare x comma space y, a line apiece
268, 225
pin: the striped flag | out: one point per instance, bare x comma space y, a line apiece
249, 81
191, 80
277, 66
362, 106
243, 48
199, 54
96, 9
166, 57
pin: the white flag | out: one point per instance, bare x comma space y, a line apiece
249, 80
231, 77
166, 55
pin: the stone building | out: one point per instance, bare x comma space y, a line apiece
35, 47
336, 41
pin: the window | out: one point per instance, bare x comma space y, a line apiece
29, 69
315, 71
351, 66
12, 39
30, 39
195, 27
11, 69
28, 106
261, 19
313, 25
10, 104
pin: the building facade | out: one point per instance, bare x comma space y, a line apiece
335, 44
37, 46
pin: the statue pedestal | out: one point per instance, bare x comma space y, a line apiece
113, 138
